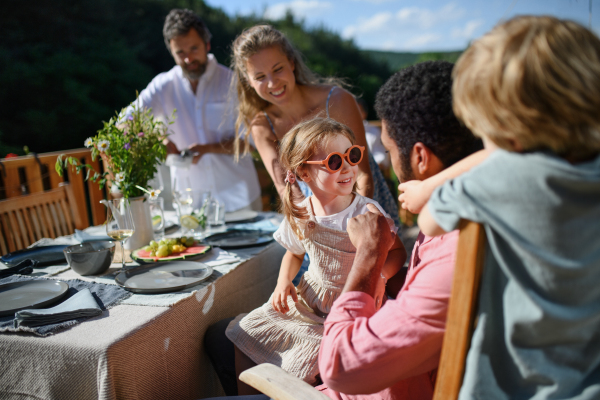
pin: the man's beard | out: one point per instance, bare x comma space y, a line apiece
407, 173
195, 74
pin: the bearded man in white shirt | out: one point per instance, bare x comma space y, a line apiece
197, 87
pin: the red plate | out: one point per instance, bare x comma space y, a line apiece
144, 257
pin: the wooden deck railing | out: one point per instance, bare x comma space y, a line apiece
29, 174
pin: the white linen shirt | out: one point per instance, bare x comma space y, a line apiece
206, 117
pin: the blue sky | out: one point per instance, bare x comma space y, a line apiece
412, 25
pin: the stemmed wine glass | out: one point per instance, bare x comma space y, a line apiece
182, 192
119, 223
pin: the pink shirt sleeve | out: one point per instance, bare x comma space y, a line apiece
364, 351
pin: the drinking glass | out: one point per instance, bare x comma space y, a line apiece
215, 214
158, 216
191, 210
119, 223
181, 188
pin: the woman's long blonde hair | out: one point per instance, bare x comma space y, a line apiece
297, 147
248, 43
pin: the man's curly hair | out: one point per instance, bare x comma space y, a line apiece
416, 105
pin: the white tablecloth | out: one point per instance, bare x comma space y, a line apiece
134, 351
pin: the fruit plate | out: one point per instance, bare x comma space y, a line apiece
196, 251
163, 277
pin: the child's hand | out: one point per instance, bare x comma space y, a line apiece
415, 195
282, 291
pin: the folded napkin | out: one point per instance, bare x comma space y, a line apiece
87, 236
25, 267
267, 225
82, 304
218, 256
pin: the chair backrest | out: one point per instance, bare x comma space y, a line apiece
462, 309
31, 174
26, 219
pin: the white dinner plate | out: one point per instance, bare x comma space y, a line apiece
163, 277
241, 215
20, 295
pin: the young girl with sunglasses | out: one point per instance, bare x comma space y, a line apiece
287, 330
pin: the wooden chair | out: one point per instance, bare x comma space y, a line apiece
462, 309
31, 174
280, 385
26, 219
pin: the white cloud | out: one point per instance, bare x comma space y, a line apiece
414, 28
388, 45
300, 8
373, 1
408, 17
425, 18
468, 30
376, 23
422, 40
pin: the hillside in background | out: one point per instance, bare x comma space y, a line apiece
67, 66
399, 60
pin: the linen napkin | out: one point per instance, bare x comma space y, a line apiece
82, 304
266, 224
87, 236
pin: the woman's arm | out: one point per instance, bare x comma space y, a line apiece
265, 143
343, 108
415, 194
290, 265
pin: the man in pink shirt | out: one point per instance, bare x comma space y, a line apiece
393, 353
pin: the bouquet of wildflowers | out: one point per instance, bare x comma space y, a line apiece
131, 148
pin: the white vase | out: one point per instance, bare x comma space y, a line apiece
142, 220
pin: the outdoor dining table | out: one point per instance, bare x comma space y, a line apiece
146, 347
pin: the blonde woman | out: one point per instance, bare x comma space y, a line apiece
276, 91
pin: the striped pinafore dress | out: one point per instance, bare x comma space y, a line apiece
292, 340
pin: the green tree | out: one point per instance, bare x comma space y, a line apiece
67, 66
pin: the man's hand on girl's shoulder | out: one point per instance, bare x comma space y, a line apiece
370, 231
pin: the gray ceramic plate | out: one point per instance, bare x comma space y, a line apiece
239, 216
163, 277
239, 238
17, 296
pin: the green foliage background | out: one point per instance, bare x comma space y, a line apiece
66, 66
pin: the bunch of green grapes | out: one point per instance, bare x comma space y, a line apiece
168, 246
